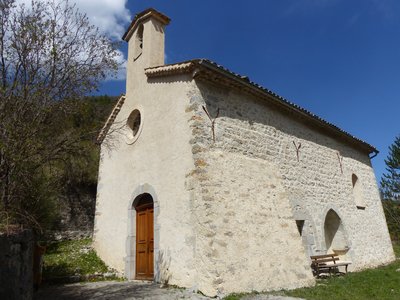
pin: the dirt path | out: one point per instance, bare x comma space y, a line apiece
125, 290
113, 290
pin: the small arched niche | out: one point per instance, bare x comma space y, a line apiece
138, 42
335, 237
357, 192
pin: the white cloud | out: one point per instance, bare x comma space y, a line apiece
110, 16
121, 73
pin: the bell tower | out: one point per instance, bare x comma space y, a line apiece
145, 37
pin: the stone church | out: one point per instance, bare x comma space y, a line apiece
211, 182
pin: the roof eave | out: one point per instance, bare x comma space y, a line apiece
110, 120
245, 81
195, 67
150, 12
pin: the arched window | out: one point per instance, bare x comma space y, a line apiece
357, 192
138, 42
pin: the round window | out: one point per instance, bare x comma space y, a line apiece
134, 124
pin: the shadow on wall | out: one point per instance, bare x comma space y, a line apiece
170, 79
162, 273
335, 238
16, 265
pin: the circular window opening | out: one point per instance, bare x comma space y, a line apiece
133, 123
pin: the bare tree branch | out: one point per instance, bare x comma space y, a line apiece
49, 54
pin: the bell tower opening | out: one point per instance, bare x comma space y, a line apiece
146, 42
139, 42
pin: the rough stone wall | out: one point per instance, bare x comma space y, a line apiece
77, 209
246, 238
248, 130
16, 266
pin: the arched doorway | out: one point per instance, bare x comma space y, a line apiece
335, 238
144, 208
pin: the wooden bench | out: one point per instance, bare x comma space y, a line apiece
327, 262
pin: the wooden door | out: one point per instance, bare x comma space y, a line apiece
144, 242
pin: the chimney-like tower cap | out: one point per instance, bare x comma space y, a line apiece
140, 17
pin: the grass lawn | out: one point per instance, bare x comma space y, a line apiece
381, 283
375, 284
69, 258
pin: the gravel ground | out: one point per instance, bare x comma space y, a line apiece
126, 290
269, 297
113, 290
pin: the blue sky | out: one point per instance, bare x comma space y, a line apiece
340, 59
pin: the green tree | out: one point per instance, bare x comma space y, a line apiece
390, 182
392, 214
78, 172
390, 190
49, 55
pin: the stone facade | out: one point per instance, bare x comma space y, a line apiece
245, 187
315, 182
